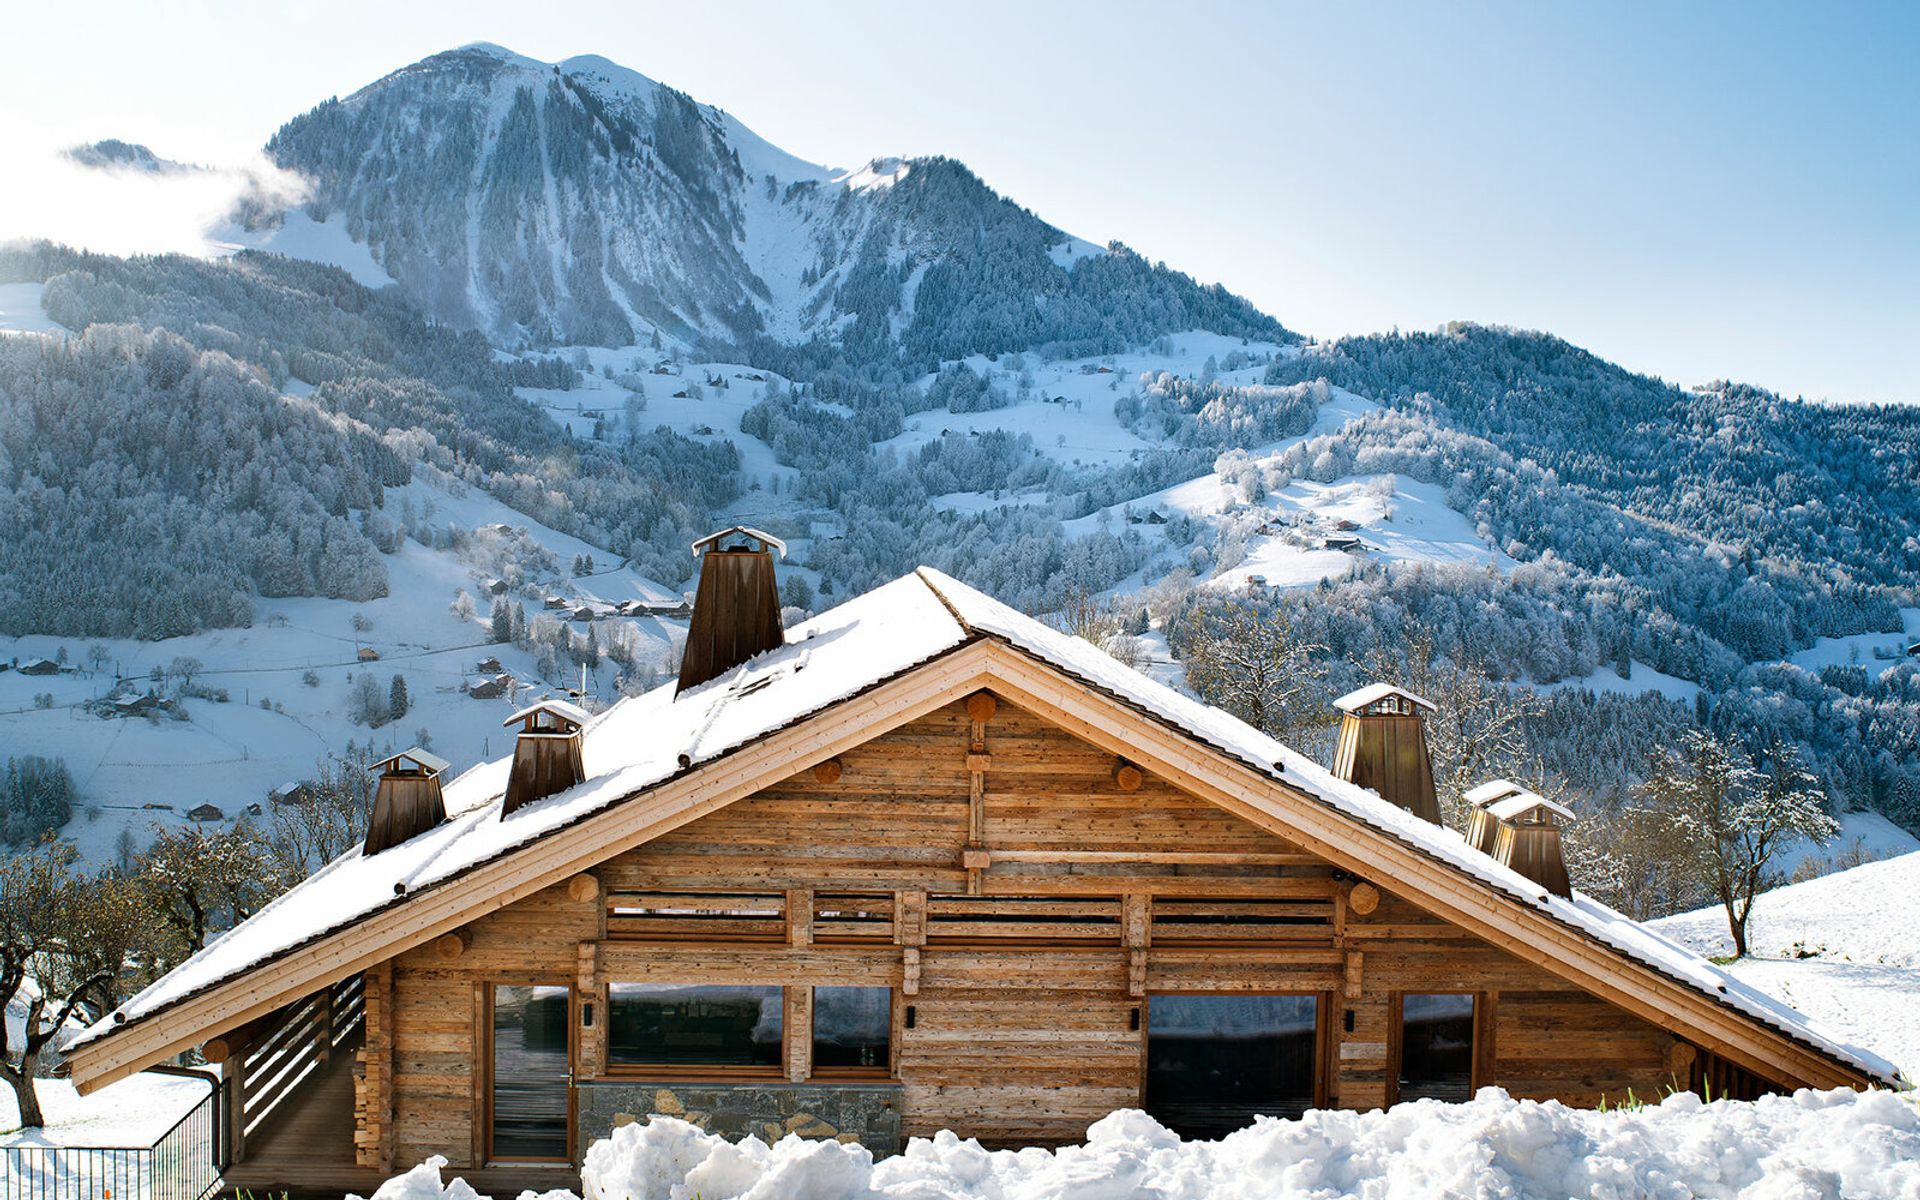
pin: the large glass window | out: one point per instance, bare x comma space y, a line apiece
1436, 1047
531, 1076
852, 1030
1216, 1062
690, 1026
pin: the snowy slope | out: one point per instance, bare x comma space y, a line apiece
581, 202
277, 727
1843, 948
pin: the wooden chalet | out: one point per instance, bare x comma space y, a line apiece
921, 863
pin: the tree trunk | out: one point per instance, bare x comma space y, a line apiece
24, 1094
1737, 926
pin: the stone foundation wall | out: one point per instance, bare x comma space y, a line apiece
847, 1112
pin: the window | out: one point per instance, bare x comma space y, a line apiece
1436, 1047
691, 1027
531, 1072
1216, 1062
852, 1030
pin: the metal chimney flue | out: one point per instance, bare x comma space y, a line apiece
1383, 746
546, 754
736, 611
1528, 839
407, 801
1481, 824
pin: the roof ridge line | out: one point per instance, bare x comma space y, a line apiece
953, 611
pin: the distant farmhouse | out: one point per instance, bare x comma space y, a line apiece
922, 863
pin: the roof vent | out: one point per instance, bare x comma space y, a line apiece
1383, 746
407, 802
546, 755
736, 611
1528, 839
1481, 826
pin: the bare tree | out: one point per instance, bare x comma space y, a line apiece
1729, 820
303, 837
40, 903
202, 881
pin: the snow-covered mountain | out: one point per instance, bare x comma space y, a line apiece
582, 202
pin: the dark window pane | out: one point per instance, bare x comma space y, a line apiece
851, 1028
1436, 1048
693, 1025
1216, 1062
530, 1076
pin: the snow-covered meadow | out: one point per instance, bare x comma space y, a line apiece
1861, 1146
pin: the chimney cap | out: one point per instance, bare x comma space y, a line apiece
1526, 802
1491, 790
561, 710
425, 761
712, 541
1373, 693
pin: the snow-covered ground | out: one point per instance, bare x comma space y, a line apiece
21, 310
276, 727
1843, 948
1807, 1146
1875, 651
300, 236
1641, 678
131, 1113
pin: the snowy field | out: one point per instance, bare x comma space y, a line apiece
131, 1113
136, 774
1843, 949
1809, 1146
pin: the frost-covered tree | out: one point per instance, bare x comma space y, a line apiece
1729, 820
1247, 659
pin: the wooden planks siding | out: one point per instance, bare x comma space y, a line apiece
1024, 894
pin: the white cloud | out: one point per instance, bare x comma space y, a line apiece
47, 195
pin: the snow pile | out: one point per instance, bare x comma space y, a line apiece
1811, 1144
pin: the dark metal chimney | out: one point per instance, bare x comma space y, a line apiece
1383, 746
736, 611
1481, 825
546, 754
1528, 839
407, 802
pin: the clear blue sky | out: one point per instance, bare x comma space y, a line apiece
1697, 190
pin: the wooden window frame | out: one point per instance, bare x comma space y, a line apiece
1323, 1032
886, 1074
484, 1070
693, 1073
1479, 1056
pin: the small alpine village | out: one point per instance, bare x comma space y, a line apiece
592, 607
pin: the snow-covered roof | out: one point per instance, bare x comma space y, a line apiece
1526, 802
1488, 792
426, 760
645, 740
714, 539
1355, 700
564, 709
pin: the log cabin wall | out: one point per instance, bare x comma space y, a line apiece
1024, 894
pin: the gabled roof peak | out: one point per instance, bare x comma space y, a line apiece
1491, 790
713, 540
1526, 802
565, 710
425, 761
1373, 693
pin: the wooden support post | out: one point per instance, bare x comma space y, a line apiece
799, 1029
1352, 985
980, 709
1136, 929
910, 971
799, 917
910, 931
236, 1077
373, 1085
589, 990
323, 1026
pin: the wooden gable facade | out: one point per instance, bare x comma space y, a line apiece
1056, 905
